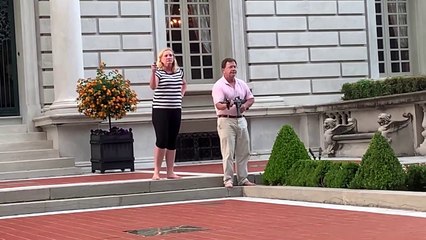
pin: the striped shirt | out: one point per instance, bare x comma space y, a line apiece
168, 93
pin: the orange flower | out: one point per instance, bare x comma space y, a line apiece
109, 94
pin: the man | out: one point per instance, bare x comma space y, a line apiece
231, 98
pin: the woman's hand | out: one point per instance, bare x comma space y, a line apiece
153, 67
153, 82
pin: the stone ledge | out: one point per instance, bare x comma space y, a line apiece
368, 198
375, 102
264, 106
353, 136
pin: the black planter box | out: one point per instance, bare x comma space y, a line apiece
112, 151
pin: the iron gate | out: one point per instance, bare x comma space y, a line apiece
9, 105
202, 146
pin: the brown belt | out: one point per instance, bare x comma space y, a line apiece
228, 116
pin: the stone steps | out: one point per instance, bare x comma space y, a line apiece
40, 199
36, 164
14, 120
30, 145
13, 128
35, 154
22, 137
26, 154
40, 173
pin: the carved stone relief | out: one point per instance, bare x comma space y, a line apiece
387, 126
331, 128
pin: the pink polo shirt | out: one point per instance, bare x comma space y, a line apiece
222, 90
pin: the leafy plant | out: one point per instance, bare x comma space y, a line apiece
340, 174
416, 177
300, 173
367, 88
287, 150
108, 95
380, 168
308, 173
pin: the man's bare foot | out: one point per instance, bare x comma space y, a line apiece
173, 176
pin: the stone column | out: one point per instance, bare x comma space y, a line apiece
422, 148
67, 51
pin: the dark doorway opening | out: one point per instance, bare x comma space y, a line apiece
9, 104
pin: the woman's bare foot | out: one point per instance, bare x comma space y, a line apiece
156, 177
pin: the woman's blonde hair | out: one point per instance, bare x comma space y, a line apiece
160, 65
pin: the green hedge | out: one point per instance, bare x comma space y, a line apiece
367, 88
416, 178
309, 173
340, 174
287, 150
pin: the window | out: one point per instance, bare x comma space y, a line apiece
189, 34
393, 40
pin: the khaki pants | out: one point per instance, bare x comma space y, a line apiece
234, 141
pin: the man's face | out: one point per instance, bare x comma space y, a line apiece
230, 70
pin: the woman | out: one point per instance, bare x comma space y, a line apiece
170, 86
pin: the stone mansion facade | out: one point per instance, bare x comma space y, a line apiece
293, 53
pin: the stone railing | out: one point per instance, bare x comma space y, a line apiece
347, 126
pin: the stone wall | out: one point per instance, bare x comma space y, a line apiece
119, 33
306, 48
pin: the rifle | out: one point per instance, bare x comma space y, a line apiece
237, 101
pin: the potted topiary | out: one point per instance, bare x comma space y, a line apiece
108, 96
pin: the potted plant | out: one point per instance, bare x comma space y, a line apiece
108, 96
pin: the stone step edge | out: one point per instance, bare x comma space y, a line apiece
29, 151
98, 189
37, 159
406, 200
35, 142
39, 173
13, 209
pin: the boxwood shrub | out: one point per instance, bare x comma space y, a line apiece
340, 174
380, 168
300, 174
287, 150
309, 173
416, 177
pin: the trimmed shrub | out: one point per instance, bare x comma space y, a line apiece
367, 88
340, 174
308, 173
416, 177
287, 150
300, 174
316, 178
380, 168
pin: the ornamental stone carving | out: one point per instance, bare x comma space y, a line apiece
331, 128
387, 126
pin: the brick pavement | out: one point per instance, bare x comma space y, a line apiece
221, 219
229, 219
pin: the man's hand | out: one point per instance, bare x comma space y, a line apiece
229, 104
243, 108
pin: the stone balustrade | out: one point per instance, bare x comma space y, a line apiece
400, 118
